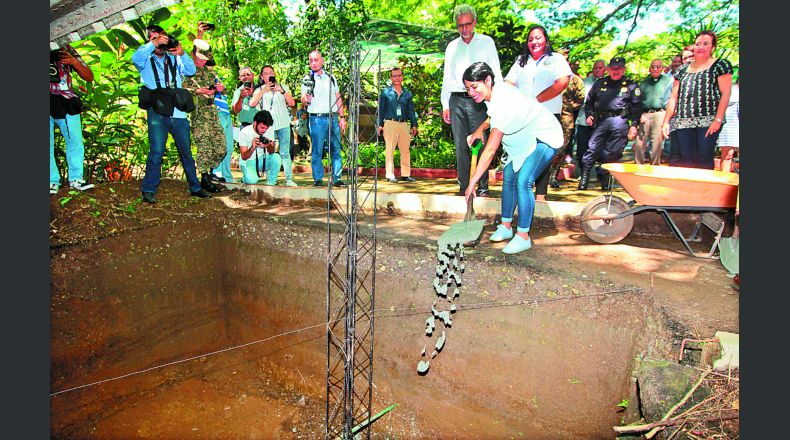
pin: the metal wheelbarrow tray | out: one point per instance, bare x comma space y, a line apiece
609, 219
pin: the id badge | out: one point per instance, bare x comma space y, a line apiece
63, 84
397, 111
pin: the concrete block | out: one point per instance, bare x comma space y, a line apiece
730, 348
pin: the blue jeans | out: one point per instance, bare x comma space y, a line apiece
227, 127
694, 150
158, 128
284, 136
319, 130
517, 186
249, 173
71, 129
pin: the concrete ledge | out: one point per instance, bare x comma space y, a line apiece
564, 215
414, 204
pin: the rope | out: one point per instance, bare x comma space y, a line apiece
472, 306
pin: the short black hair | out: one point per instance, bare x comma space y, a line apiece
154, 28
263, 117
479, 72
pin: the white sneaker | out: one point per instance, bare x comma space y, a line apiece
80, 185
53, 188
517, 244
290, 183
501, 234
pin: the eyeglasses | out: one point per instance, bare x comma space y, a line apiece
463, 25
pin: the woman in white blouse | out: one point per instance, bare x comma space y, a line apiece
530, 136
543, 74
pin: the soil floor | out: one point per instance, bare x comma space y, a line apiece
692, 297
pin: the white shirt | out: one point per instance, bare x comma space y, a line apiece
536, 76
324, 92
459, 56
275, 103
248, 134
521, 129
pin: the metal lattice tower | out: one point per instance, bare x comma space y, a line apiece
351, 265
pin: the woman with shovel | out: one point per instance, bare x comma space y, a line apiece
530, 135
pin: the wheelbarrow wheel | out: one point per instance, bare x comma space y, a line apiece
606, 231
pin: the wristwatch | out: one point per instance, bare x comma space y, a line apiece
718, 119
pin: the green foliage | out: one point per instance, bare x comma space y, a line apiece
259, 32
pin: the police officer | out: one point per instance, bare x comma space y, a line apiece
613, 106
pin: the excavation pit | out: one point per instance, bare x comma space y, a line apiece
532, 352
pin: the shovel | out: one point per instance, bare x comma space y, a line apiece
470, 230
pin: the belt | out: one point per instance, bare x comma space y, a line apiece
462, 94
396, 120
321, 115
607, 114
653, 110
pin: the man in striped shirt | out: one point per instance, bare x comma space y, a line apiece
275, 98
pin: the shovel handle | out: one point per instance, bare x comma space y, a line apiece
470, 209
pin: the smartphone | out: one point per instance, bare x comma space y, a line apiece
247, 84
272, 80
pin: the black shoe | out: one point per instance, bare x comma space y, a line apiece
482, 193
408, 179
460, 193
207, 184
318, 183
339, 182
216, 178
392, 180
555, 184
584, 179
605, 181
148, 197
202, 193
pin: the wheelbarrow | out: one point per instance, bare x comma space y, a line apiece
609, 219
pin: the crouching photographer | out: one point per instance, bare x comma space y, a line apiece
162, 63
256, 142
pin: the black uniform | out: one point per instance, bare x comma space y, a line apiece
614, 105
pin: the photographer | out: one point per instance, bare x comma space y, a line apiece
162, 63
64, 110
255, 138
276, 98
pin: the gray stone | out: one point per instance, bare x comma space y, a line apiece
662, 384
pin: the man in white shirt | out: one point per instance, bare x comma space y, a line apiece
276, 98
324, 105
253, 137
458, 109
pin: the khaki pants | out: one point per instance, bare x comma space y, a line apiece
397, 133
650, 130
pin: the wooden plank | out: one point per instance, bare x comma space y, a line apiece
71, 20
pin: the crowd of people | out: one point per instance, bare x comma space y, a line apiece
538, 112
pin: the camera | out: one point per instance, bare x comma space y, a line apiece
172, 43
272, 79
209, 26
247, 84
308, 83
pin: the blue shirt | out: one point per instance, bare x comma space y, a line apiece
141, 59
389, 101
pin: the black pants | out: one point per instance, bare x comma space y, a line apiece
465, 116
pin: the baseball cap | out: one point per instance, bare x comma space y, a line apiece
617, 62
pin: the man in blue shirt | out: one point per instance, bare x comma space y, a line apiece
396, 111
161, 67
